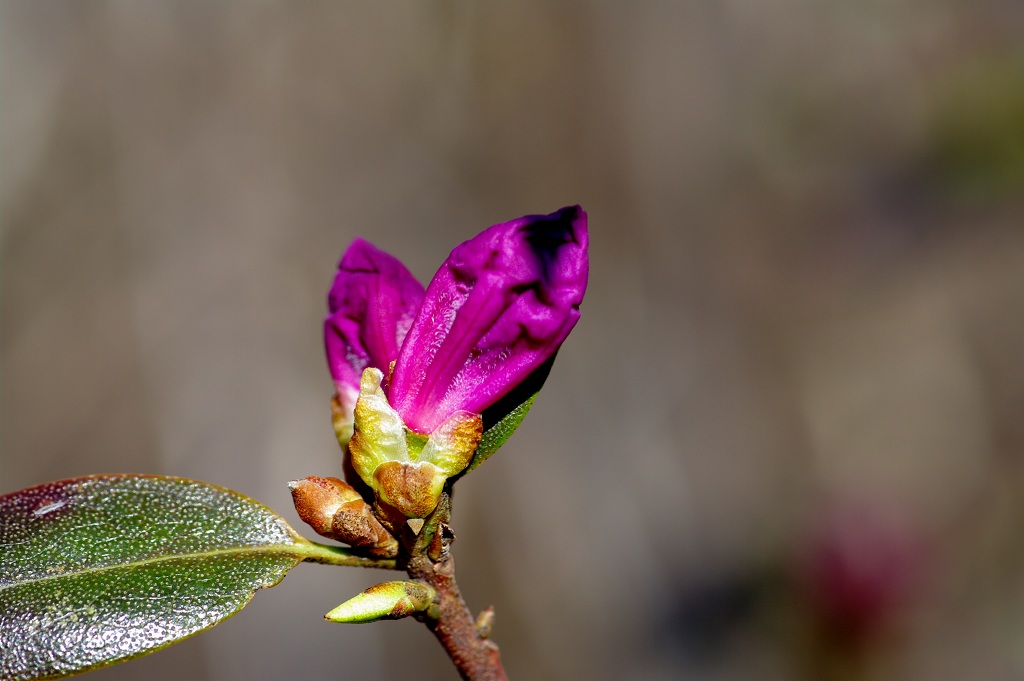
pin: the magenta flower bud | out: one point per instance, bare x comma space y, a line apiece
499, 307
414, 371
372, 303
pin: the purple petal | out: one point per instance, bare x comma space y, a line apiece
372, 303
500, 305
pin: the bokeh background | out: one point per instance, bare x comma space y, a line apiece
786, 440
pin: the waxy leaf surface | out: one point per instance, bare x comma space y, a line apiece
101, 569
496, 435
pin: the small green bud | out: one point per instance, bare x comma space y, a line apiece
387, 601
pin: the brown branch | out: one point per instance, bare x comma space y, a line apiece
476, 658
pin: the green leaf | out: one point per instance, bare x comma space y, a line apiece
495, 436
502, 419
101, 569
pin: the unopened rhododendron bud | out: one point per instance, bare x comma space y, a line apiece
501, 304
415, 370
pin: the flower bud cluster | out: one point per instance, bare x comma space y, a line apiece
416, 370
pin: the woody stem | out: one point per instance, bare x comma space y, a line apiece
476, 658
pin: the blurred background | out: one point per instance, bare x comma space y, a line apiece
784, 442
